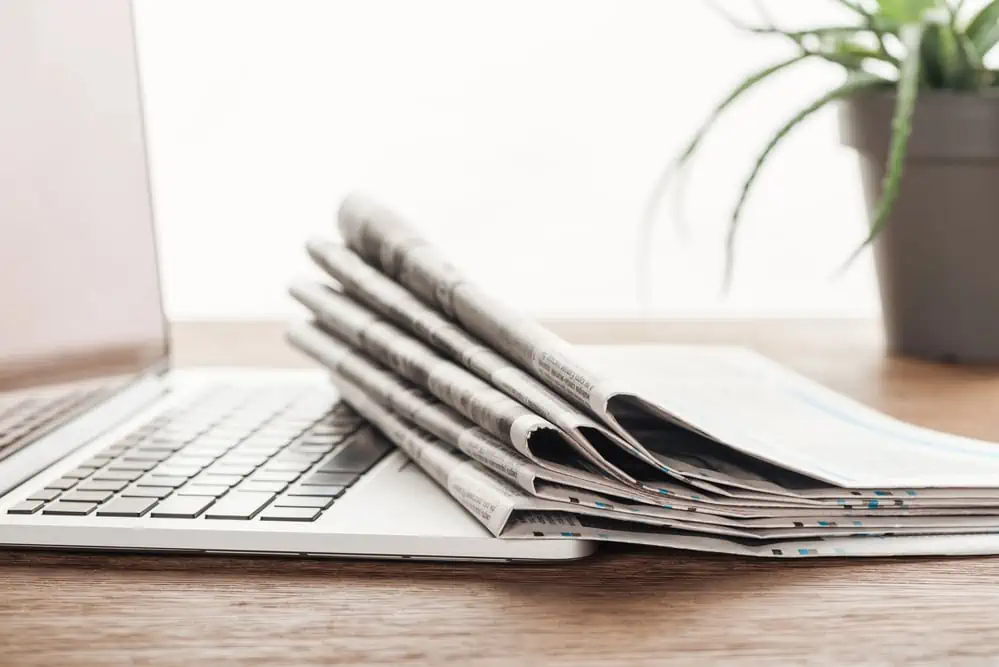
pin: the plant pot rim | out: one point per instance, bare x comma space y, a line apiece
947, 125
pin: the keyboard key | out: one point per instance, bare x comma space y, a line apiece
27, 507
132, 464
280, 431
358, 454
319, 502
102, 485
212, 441
290, 514
231, 470
312, 448
163, 441
127, 507
191, 460
266, 475
179, 432
170, 471
330, 479
294, 453
321, 439
255, 451
251, 448
236, 458
62, 484
98, 461
203, 451
147, 492
169, 481
182, 507
202, 490
239, 505
44, 494
86, 496
118, 475
81, 473
317, 491
217, 480
289, 466
328, 431
265, 440
256, 485
59, 508
150, 454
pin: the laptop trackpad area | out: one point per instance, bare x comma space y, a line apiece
398, 498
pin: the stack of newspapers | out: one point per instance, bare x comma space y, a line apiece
704, 448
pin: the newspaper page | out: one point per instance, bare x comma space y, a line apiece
482, 403
418, 407
491, 499
507, 511
394, 302
543, 478
359, 326
783, 419
755, 504
557, 525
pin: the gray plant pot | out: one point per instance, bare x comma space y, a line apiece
938, 257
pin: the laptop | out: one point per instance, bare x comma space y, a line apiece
103, 445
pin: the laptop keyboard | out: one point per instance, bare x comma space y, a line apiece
265, 455
25, 416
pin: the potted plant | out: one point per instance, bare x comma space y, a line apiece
921, 108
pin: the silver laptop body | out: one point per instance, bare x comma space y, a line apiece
102, 444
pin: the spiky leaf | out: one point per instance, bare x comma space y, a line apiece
951, 58
855, 84
678, 163
905, 106
983, 30
905, 11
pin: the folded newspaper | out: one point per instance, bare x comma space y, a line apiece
691, 447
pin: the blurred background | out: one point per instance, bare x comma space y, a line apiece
523, 136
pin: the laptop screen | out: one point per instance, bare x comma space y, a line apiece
79, 286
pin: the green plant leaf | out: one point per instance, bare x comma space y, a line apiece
951, 57
905, 11
901, 126
855, 84
983, 30
978, 75
850, 54
677, 164
949, 60
878, 26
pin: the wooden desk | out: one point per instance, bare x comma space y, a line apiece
624, 606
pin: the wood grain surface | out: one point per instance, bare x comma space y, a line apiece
626, 606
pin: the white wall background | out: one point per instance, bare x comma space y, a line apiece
492, 122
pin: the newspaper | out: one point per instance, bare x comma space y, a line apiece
395, 303
571, 485
390, 300
734, 404
566, 483
420, 407
507, 511
363, 329
483, 404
